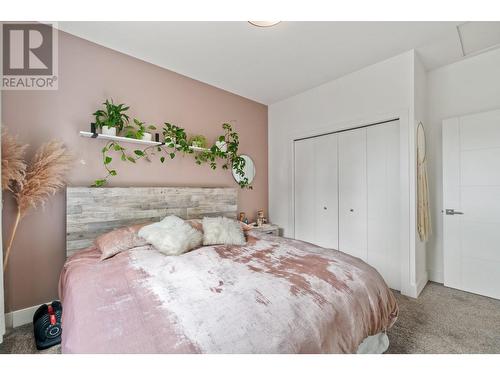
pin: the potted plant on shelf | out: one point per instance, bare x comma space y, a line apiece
198, 141
139, 132
112, 119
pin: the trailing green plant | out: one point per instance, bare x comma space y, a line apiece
137, 131
198, 141
114, 146
175, 138
112, 116
175, 141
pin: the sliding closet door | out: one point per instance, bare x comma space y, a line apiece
316, 191
347, 195
304, 190
352, 193
326, 189
382, 160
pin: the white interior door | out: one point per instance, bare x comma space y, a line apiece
471, 187
316, 191
383, 212
353, 193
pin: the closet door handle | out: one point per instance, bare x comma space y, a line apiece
451, 211
325, 208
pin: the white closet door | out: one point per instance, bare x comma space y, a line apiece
326, 191
382, 148
352, 193
316, 191
304, 190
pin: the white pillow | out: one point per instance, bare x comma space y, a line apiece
222, 231
172, 236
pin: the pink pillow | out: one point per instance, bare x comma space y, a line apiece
119, 240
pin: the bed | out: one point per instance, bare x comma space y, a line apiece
271, 295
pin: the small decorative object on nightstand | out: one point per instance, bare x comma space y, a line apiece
261, 220
268, 229
243, 218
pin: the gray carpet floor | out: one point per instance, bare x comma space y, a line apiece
21, 341
441, 320
445, 320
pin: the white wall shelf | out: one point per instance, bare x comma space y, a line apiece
131, 140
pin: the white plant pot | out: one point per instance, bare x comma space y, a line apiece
221, 146
108, 130
147, 137
172, 140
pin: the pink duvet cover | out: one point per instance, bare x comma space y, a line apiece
273, 295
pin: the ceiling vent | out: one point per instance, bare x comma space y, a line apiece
477, 37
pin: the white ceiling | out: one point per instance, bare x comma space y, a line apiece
271, 64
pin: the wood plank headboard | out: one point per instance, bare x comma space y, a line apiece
94, 211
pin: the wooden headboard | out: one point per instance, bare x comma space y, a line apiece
94, 211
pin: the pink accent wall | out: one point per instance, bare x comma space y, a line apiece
88, 74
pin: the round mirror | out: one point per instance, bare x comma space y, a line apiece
248, 169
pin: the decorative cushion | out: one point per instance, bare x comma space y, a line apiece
222, 231
119, 240
198, 225
172, 236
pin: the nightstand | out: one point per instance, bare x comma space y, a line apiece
268, 229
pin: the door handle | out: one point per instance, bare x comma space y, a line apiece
451, 211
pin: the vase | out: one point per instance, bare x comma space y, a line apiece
106, 130
221, 146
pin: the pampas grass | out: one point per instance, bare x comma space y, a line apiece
13, 164
44, 176
41, 179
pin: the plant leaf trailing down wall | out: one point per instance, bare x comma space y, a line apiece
175, 140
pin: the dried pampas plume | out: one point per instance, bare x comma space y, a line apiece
36, 182
13, 164
44, 176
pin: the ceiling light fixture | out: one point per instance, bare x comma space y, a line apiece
264, 23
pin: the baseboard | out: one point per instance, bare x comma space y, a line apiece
21, 317
422, 283
414, 290
436, 276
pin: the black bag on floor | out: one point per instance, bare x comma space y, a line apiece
47, 325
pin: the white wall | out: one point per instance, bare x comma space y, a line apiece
381, 88
471, 85
397, 84
367, 95
420, 100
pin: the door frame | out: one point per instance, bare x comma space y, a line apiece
407, 185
